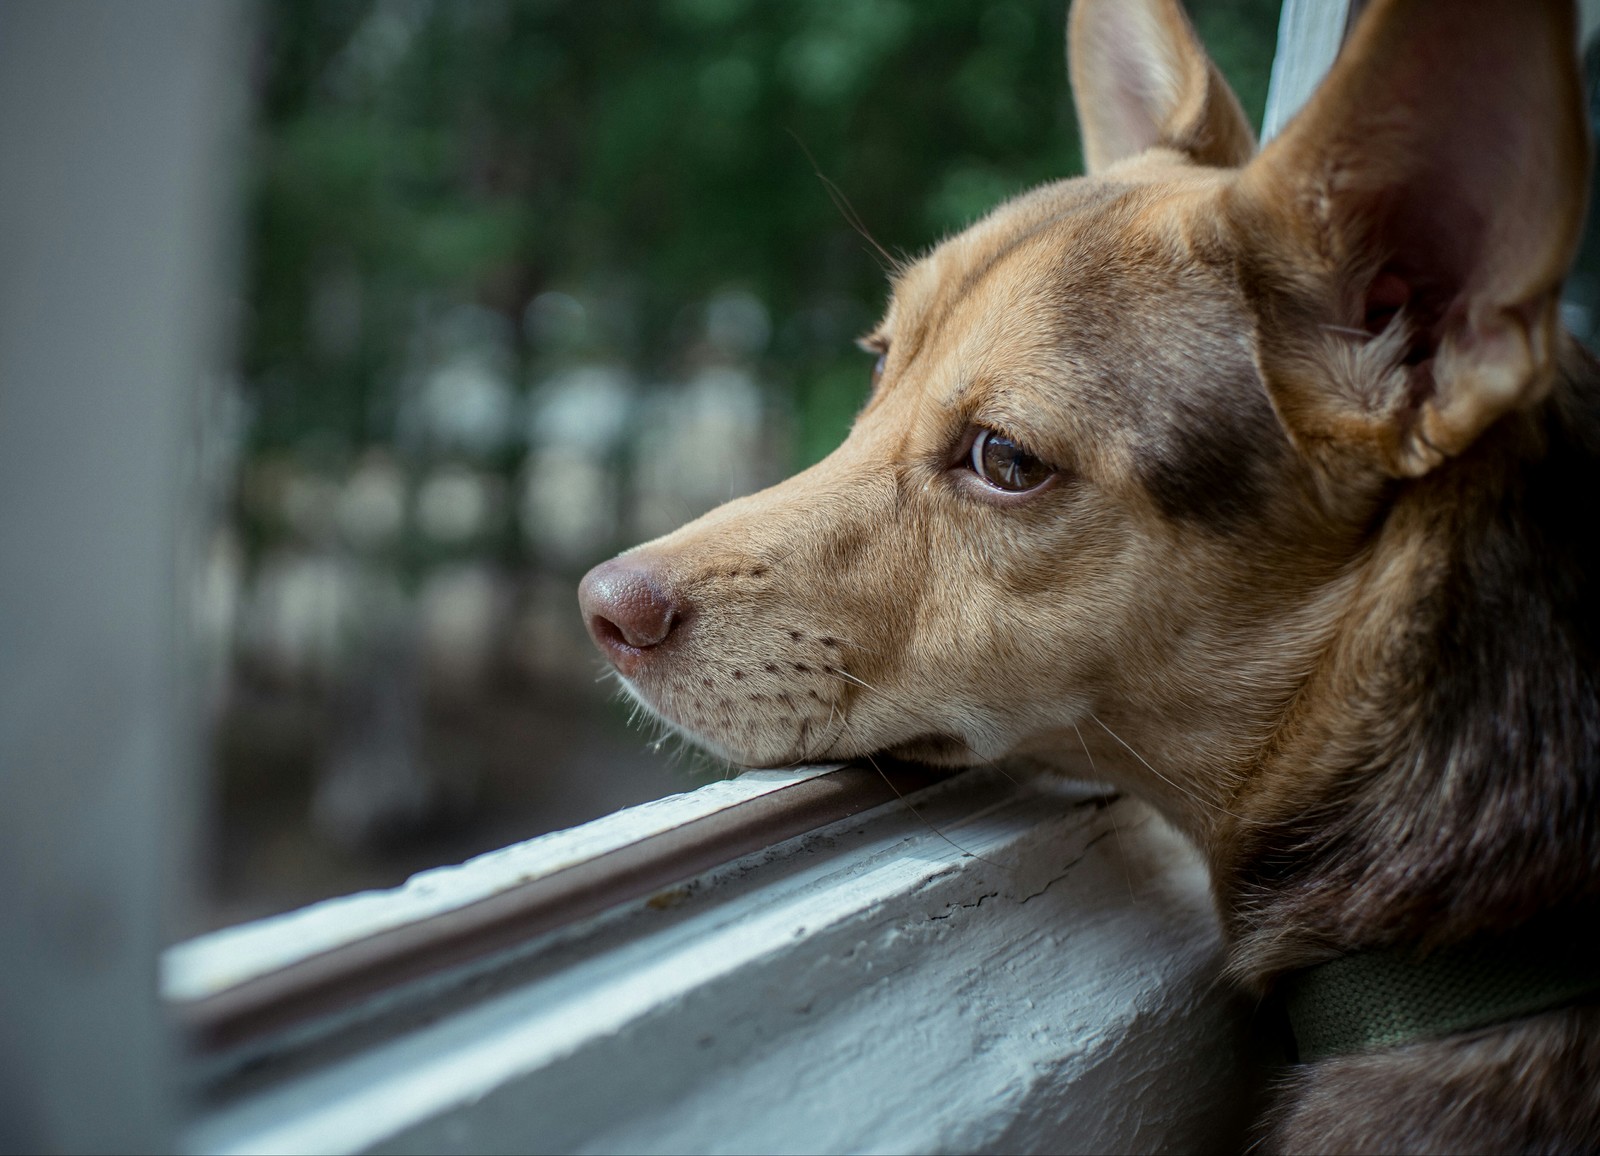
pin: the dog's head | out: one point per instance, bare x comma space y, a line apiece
1130, 438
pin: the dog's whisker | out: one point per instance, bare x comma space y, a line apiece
806, 757
1111, 812
925, 820
846, 209
840, 673
837, 709
805, 745
985, 762
1174, 785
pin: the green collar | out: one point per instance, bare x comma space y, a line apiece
1390, 996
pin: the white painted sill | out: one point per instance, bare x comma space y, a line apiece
1049, 986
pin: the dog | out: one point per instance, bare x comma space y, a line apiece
1251, 473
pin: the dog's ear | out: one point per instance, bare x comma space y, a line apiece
1406, 236
1141, 79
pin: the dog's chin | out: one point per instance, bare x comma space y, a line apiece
748, 758
933, 750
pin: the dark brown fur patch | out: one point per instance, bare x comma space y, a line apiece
1479, 815
1212, 467
1487, 811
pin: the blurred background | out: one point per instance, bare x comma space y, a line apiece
522, 284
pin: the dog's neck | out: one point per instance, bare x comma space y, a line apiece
1449, 783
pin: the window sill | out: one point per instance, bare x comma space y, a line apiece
1050, 985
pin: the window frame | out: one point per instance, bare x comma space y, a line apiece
115, 206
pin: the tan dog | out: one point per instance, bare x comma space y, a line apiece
1258, 466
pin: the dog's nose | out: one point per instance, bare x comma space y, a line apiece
627, 609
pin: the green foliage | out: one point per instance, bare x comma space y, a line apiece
414, 154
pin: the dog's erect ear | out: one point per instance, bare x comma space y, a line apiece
1141, 79
1420, 212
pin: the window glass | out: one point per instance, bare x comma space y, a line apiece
523, 284
1580, 308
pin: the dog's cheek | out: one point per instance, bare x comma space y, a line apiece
997, 648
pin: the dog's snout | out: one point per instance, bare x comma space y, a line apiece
628, 609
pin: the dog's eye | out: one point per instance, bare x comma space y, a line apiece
1005, 465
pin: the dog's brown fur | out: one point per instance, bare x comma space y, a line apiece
1306, 575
